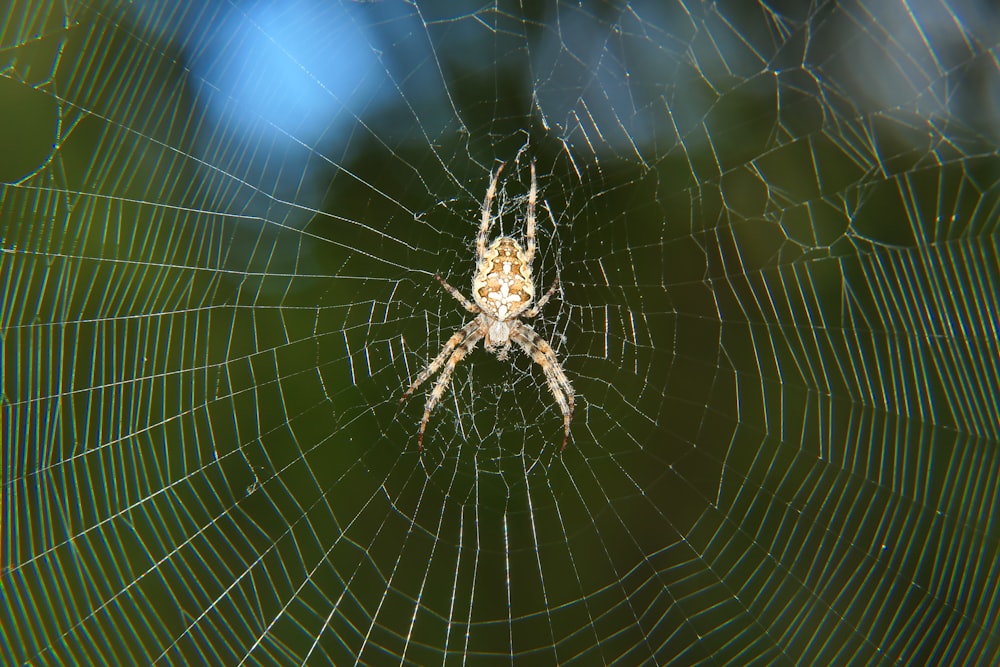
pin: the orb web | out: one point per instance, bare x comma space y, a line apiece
775, 233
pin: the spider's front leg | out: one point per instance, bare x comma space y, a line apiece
559, 385
442, 382
459, 337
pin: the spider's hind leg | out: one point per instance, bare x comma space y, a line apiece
529, 232
468, 305
484, 226
534, 310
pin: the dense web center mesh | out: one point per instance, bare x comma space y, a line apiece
775, 231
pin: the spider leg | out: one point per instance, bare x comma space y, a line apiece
534, 310
529, 253
457, 338
468, 305
543, 355
445, 378
484, 226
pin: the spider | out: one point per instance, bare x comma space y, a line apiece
502, 289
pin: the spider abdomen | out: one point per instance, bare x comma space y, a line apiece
503, 287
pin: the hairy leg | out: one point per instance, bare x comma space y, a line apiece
529, 253
468, 305
543, 355
484, 226
443, 381
459, 337
534, 310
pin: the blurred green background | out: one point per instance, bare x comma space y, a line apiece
775, 230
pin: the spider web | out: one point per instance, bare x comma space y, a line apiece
775, 227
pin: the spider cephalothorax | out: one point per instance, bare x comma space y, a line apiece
503, 290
